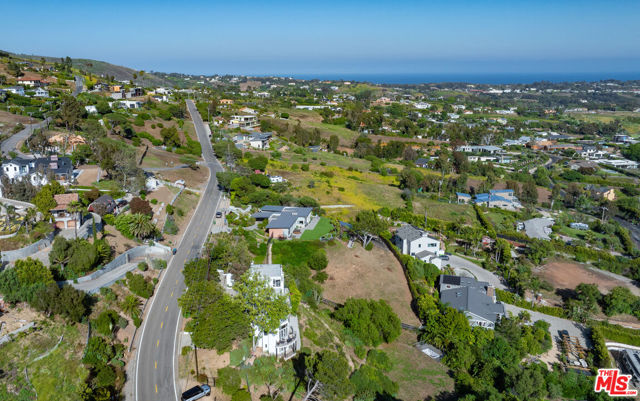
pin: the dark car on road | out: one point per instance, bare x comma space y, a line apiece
195, 393
218, 215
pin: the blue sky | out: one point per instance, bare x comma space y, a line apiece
302, 37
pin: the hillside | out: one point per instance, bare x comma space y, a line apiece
100, 68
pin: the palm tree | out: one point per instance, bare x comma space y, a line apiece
30, 216
9, 211
131, 305
76, 208
141, 226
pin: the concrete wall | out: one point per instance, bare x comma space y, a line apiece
139, 252
12, 256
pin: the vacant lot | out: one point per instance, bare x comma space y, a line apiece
418, 376
566, 274
58, 376
375, 274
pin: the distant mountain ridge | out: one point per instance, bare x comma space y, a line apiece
102, 68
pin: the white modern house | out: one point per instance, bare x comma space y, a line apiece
91, 109
285, 341
419, 244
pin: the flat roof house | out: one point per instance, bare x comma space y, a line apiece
476, 299
284, 220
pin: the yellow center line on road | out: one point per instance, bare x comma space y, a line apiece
171, 294
167, 308
161, 324
155, 364
176, 281
158, 344
156, 388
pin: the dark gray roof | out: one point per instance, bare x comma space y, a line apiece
284, 220
408, 233
422, 160
423, 254
471, 296
471, 299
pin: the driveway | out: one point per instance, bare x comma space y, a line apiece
556, 324
11, 144
466, 268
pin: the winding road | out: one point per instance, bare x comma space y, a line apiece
156, 359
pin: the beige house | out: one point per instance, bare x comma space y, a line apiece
63, 219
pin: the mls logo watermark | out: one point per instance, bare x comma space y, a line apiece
614, 383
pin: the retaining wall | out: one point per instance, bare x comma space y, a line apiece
139, 252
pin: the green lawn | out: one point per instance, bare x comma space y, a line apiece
346, 135
294, 253
323, 227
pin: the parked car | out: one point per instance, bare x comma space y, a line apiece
444, 257
195, 393
218, 215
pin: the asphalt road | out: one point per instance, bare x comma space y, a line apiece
79, 85
156, 362
11, 144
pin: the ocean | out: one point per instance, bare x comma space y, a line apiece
503, 78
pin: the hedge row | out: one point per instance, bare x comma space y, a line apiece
618, 333
485, 222
514, 299
601, 353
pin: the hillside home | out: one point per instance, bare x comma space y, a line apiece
39, 170
419, 244
422, 162
16, 90
284, 221
91, 109
39, 92
604, 193
476, 299
243, 121
285, 341
61, 217
500, 198
463, 197
255, 140
30, 81
103, 205
479, 149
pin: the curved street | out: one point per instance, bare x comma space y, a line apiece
156, 359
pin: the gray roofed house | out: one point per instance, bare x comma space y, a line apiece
475, 298
419, 244
38, 170
284, 220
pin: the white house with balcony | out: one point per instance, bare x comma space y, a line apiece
285, 341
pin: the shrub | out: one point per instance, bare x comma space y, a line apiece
170, 226
228, 380
170, 209
241, 395
143, 266
106, 322
141, 206
371, 321
369, 246
159, 264
109, 219
318, 260
154, 201
138, 285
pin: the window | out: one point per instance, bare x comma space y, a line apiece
419, 245
276, 283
